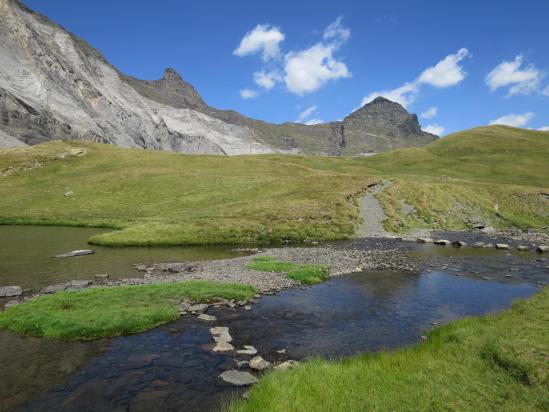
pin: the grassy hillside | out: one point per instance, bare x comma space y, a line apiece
496, 173
492, 363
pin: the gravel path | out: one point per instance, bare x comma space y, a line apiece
372, 214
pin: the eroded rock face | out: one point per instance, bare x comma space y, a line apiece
53, 85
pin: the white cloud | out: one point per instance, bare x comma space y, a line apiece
337, 32
263, 38
305, 114
544, 129
434, 129
545, 91
447, 72
248, 94
522, 80
515, 120
430, 113
404, 95
314, 121
267, 79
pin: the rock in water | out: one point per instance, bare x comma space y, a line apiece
75, 253
223, 346
542, 249
259, 364
238, 378
522, 248
207, 318
8, 291
459, 243
424, 240
286, 365
502, 246
442, 242
248, 350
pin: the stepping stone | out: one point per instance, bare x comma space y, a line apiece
8, 291
442, 242
286, 365
221, 334
208, 318
542, 249
259, 364
199, 308
223, 346
238, 378
424, 240
502, 246
74, 253
248, 350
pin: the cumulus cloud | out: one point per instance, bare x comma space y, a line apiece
515, 120
264, 39
308, 70
248, 93
267, 79
430, 113
337, 32
445, 73
434, 129
520, 79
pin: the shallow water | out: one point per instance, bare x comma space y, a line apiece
26, 256
172, 367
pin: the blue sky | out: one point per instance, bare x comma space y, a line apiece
461, 64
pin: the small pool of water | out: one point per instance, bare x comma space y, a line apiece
172, 367
26, 256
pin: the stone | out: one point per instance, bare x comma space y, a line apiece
184, 307
221, 334
424, 240
522, 248
488, 245
478, 244
55, 288
488, 230
248, 350
11, 303
102, 276
286, 365
207, 318
542, 249
502, 246
75, 253
247, 307
259, 364
79, 284
281, 351
241, 363
478, 225
223, 346
442, 242
198, 308
8, 291
238, 378
459, 243
69, 193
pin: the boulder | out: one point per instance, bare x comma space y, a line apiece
198, 308
286, 365
238, 378
424, 240
259, 364
221, 334
184, 307
8, 291
459, 243
542, 249
223, 346
75, 253
488, 230
502, 246
442, 242
522, 248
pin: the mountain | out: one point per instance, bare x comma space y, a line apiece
54, 85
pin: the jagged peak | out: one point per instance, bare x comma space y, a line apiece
171, 74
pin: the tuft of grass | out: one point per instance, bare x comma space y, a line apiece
496, 362
306, 273
107, 312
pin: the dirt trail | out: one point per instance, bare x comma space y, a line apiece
372, 214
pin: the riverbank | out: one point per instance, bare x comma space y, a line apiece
495, 362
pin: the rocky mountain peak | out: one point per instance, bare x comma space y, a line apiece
171, 75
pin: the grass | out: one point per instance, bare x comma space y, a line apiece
497, 173
306, 273
107, 312
496, 362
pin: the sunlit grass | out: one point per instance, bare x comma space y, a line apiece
305, 273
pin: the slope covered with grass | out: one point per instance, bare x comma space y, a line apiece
497, 174
492, 363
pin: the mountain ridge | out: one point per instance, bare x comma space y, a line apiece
54, 85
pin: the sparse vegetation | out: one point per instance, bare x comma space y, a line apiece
308, 274
491, 363
106, 312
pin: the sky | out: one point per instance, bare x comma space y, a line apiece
456, 64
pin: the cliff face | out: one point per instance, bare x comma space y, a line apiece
53, 85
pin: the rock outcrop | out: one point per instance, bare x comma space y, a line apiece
54, 85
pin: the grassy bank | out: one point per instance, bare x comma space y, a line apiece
492, 363
106, 312
496, 173
308, 274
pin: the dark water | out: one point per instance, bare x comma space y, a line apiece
172, 368
26, 256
